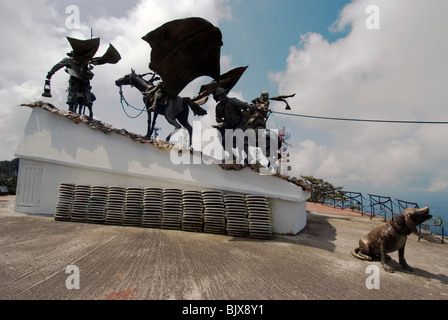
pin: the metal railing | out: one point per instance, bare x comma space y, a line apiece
384, 206
381, 206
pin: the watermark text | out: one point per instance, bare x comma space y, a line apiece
373, 20
72, 22
373, 280
73, 280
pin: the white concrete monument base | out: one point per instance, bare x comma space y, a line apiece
59, 146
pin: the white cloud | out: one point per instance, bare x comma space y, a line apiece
35, 32
439, 184
398, 72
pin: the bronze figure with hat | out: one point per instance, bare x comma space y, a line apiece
79, 64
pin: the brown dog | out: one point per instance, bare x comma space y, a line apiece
390, 237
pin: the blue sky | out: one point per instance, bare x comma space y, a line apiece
398, 72
260, 34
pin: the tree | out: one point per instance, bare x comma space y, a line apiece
8, 174
321, 191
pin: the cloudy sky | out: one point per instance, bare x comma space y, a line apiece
325, 51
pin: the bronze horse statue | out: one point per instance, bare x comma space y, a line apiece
175, 109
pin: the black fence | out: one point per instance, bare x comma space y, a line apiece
376, 205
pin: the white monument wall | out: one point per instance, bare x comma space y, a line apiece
55, 149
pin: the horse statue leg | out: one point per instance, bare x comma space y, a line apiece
269, 143
151, 126
190, 132
183, 119
176, 125
171, 113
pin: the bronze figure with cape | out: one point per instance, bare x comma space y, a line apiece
181, 51
78, 65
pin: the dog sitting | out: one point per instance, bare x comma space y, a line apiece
390, 237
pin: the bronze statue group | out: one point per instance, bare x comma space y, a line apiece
198, 54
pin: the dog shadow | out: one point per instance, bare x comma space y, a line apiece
417, 271
427, 275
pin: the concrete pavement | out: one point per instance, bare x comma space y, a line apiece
138, 263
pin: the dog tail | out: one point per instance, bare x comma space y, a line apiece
356, 253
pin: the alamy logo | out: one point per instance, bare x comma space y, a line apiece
73, 20
72, 281
234, 146
373, 20
373, 280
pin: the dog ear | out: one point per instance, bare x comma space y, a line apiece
409, 222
